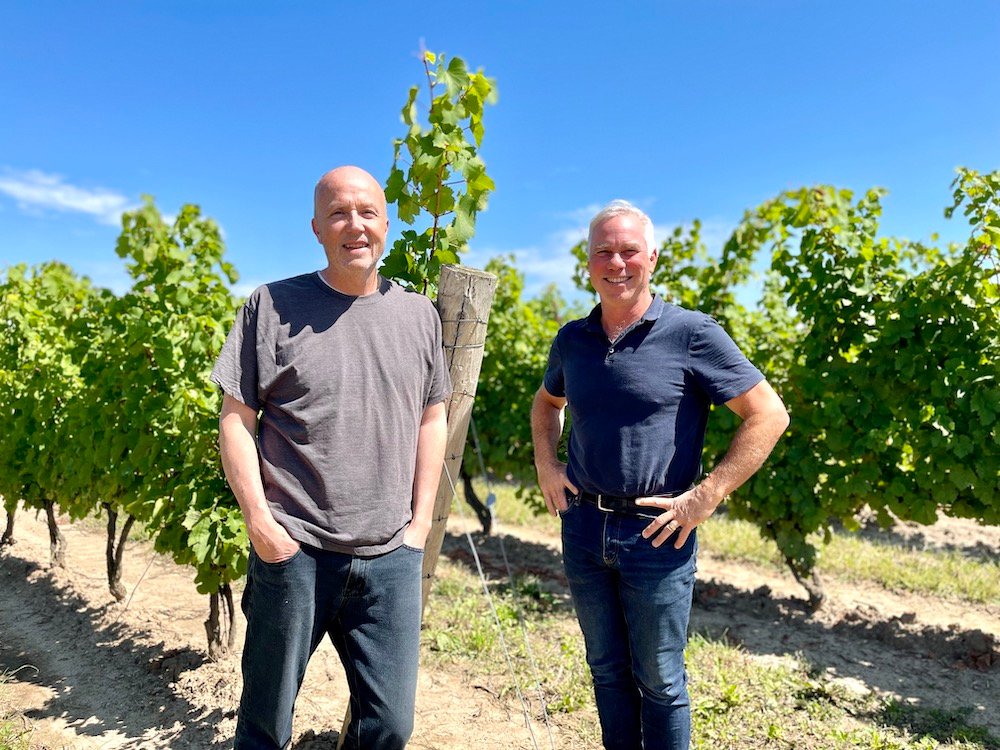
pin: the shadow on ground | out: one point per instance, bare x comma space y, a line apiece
52, 638
311, 740
923, 665
894, 655
502, 556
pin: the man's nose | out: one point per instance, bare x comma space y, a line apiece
616, 260
354, 219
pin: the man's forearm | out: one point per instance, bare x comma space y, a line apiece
431, 444
751, 445
241, 465
764, 420
546, 428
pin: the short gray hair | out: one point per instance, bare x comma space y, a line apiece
623, 208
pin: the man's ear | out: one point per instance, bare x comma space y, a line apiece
315, 231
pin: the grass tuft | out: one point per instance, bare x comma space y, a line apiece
852, 558
459, 625
739, 702
848, 557
14, 727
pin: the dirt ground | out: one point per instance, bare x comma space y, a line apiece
90, 673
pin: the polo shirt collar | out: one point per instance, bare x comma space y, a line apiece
653, 312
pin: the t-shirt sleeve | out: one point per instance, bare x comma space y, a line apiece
440, 381
236, 369
720, 368
554, 380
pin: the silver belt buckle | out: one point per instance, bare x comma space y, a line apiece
600, 504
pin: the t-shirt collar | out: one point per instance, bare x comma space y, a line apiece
381, 288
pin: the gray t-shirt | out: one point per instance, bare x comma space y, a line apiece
341, 384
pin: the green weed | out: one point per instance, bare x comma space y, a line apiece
14, 728
738, 703
459, 626
849, 557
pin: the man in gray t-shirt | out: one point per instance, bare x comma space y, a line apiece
333, 434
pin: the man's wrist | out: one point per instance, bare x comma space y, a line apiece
547, 464
262, 525
419, 526
416, 534
713, 488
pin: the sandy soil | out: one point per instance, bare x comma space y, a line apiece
90, 673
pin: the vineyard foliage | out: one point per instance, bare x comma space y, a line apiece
106, 399
45, 314
886, 352
437, 174
513, 365
161, 432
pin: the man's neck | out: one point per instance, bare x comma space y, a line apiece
616, 318
351, 286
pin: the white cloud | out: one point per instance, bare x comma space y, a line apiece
108, 274
567, 238
582, 215
715, 233
541, 265
35, 190
244, 288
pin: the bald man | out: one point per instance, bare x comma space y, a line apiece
332, 435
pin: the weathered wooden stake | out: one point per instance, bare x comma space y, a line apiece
465, 296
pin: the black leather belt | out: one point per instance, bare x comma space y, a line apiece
626, 505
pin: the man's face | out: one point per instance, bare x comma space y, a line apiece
350, 221
619, 262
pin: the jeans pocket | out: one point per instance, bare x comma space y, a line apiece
281, 563
409, 548
572, 502
269, 583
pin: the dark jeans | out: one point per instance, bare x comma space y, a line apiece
369, 606
633, 602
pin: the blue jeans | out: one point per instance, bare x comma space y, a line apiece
633, 602
370, 608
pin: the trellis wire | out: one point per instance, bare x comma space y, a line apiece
503, 642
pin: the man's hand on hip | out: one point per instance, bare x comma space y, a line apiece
681, 513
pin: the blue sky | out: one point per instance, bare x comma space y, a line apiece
694, 109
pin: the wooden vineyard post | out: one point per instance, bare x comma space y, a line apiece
465, 296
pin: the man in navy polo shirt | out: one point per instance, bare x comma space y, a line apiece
639, 376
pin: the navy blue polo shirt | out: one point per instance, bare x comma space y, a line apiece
639, 407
